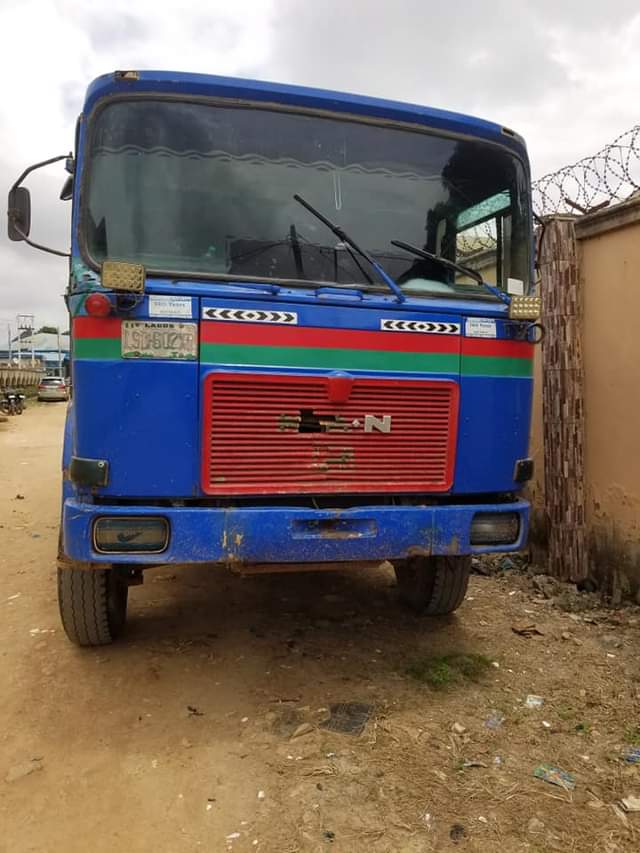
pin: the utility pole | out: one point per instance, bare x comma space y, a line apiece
26, 323
59, 354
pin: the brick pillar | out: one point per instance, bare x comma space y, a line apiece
563, 399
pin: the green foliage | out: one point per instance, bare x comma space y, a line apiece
444, 671
632, 735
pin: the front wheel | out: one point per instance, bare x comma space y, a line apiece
93, 604
433, 586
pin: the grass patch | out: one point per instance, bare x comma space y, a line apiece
632, 735
448, 670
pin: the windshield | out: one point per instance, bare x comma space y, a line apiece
200, 189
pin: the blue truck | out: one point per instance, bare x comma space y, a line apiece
302, 332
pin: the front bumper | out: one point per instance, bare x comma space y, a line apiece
53, 396
292, 534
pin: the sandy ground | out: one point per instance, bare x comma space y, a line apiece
179, 737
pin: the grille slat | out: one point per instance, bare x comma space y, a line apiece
252, 445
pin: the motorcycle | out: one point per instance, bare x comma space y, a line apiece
11, 402
20, 403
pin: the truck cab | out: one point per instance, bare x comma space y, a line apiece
302, 337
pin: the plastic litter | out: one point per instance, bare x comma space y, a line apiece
632, 755
631, 804
533, 701
494, 720
555, 776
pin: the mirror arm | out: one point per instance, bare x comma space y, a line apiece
12, 216
35, 166
37, 245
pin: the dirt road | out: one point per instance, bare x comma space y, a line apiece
182, 736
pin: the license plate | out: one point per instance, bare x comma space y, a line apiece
142, 339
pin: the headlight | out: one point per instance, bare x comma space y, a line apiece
132, 535
495, 528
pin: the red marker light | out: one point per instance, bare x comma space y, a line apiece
98, 305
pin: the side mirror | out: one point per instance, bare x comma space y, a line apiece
67, 189
19, 213
19, 210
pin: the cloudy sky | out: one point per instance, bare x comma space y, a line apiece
564, 73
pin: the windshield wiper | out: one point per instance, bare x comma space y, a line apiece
445, 262
341, 235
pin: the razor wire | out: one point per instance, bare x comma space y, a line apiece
611, 175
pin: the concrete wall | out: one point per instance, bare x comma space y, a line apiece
12, 376
609, 258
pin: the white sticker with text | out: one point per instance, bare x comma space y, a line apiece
170, 306
480, 327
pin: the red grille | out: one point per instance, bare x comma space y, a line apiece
252, 442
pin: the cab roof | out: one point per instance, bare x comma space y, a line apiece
234, 88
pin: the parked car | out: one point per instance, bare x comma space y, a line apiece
53, 388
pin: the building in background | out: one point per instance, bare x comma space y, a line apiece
48, 348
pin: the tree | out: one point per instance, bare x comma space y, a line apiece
48, 330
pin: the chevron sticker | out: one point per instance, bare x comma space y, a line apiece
426, 326
250, 315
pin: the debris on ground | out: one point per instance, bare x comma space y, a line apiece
467, 765
194, 712
458, 729
527, 629
533, 701
19, 497
545, 585
632, 755
610, 641
492, 564
26, 768
555, 776
349, 718
494, 720
457, 833
631, 804
301, 730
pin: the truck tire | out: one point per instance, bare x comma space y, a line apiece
93, 605
433, 586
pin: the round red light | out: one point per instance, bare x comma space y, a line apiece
98, 305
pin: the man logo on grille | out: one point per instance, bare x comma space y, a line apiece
373, 423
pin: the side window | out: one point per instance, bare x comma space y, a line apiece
483, 239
